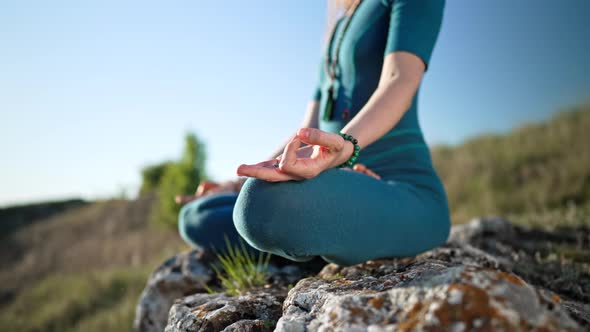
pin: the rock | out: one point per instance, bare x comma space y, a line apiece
258, 310
180, 275
491, 275
433, 292
188, 272
557, 260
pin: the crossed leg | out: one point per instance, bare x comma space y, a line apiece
344, 217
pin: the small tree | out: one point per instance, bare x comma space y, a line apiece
151, 176
181, 177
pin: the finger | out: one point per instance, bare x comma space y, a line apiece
316, 136
289, 157
264, 173
179, 199
373, 174
364, 169
359, 167
205, 186
304, 168
269, 163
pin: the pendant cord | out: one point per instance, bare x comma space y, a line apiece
330, 64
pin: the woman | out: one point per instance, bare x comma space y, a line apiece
300, 203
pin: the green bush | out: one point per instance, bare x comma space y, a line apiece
151, 176
181, 177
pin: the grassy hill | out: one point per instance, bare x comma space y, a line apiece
537, 168
81, 268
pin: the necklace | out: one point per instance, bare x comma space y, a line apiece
331, 63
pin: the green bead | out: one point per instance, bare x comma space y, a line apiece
356, 154
356, 148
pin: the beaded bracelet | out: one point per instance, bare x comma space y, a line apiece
355, 152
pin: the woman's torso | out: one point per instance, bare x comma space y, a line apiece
402, 153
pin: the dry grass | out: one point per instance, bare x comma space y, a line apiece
99, 236
83, 269
535, 168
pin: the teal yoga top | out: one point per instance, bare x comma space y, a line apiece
377, 28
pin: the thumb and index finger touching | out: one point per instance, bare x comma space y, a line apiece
315, 136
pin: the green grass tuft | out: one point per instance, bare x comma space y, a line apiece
240, 270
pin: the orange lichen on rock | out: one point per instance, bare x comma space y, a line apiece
333, 316
414, 317
510, 277
356, 312
376, 302
474, 305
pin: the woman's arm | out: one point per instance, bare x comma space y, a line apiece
400, 77
413, 30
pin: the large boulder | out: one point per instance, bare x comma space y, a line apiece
181, 275
491, 275
257, 310
191, 272
429, 293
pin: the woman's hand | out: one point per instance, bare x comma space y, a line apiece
209, 187
324, 150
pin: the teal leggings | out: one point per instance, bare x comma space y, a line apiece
343, 216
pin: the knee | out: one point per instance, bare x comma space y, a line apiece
257, 213
202, 222
188, 218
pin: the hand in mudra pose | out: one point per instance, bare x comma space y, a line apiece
296, 163
324, 150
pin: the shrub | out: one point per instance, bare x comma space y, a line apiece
180, 177
151, 176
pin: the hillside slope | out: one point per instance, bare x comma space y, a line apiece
97, 236
537, 167
81, 268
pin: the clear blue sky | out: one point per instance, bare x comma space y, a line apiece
91, 91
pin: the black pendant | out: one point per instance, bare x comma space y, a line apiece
329, 105
346, 115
